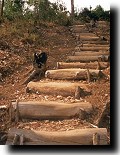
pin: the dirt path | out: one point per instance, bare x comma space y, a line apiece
11, 88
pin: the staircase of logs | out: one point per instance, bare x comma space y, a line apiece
89, 58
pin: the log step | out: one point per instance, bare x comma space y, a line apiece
91, 65
73, 74
87, 58
57, 88
82, 35
96, 42
93, 48
49, 110
82, 38
79, 30
78, 27
91, 53
95, 45
72, 137
87, 34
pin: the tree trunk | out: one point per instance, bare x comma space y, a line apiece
50, 110
56, 88
72, 9
91, 65
86, 58
73, 137
72, 74
2, 6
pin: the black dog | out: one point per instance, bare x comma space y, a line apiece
40, 59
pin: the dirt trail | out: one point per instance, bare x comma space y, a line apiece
62, 44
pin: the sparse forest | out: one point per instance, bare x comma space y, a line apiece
69, 98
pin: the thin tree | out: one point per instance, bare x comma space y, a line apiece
72, 8
2, 6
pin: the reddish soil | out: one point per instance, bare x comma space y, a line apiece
16, 60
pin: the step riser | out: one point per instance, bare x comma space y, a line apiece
72, 74
93, 48
95, 42
50, 110
73, 137
94, 65
56, 88
86, 58
90, 53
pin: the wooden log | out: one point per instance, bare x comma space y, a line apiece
87, 34
95, 45
79, 30
56, 88
79, 25
93, 48
32, 75
90, 65
82, 38
72, 137
84, 35
52, 110
87, 37
35, 71
96, 42
87, 58
72, 74
91, 53
100, 33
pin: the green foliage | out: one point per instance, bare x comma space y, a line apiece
99, 11
43, 10
84, 15
13, 9
97, 14
100, 14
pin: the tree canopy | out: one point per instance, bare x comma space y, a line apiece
44, 10
96, 14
